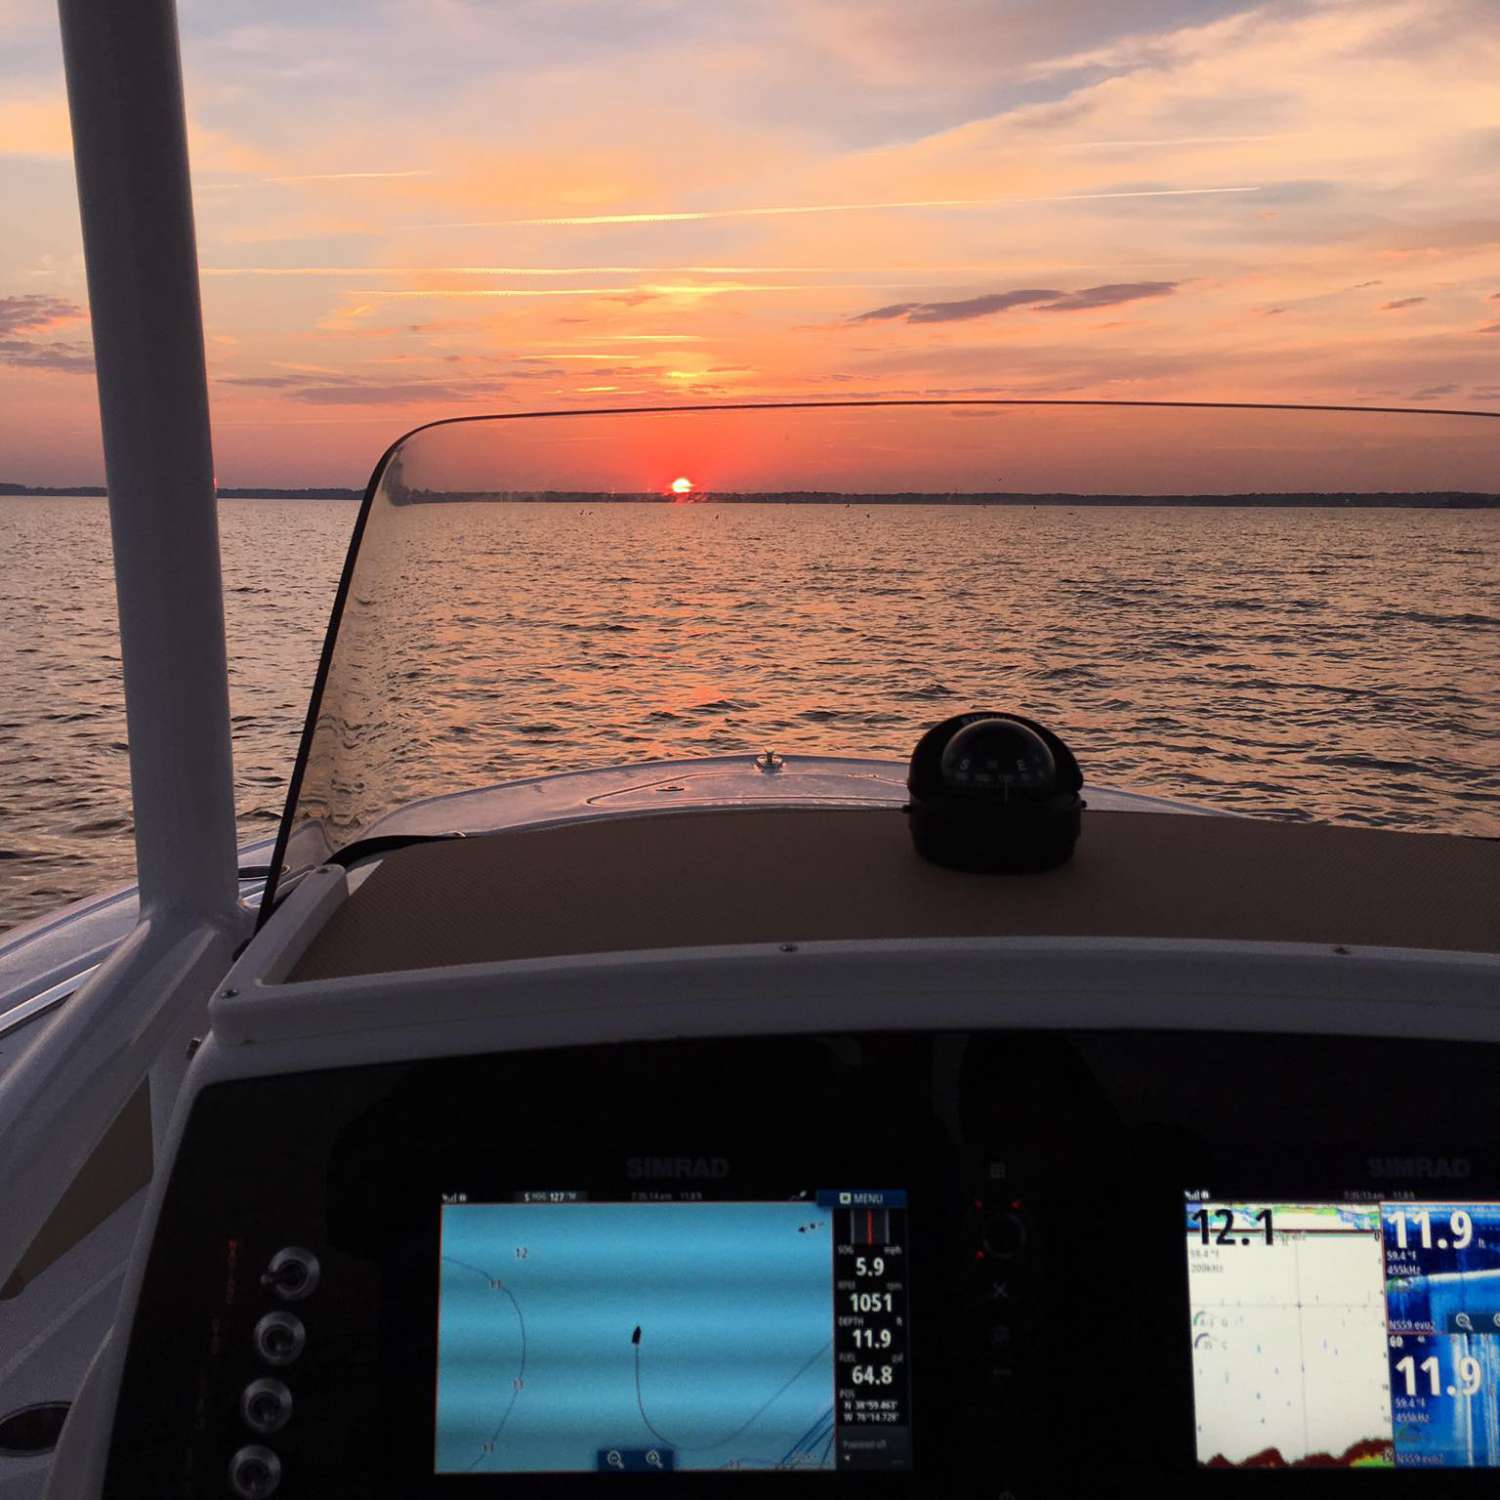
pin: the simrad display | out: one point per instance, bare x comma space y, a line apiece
1344, 1334
658, 1336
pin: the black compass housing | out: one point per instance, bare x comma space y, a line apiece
994, 793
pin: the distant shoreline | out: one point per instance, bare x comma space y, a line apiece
1382, 500
98, 492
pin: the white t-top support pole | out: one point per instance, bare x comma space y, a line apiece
133, 1018
130, 150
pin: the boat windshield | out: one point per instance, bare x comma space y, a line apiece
1284, 612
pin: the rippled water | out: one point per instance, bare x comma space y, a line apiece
1324, 664
65, 827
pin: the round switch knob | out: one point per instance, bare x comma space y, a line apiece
280, 1337
293, 1273
266, 1405
254, 1472
1005, 1234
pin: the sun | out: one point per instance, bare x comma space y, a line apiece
682, 486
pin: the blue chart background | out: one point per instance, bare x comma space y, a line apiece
735, 1304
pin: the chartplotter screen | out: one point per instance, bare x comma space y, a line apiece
664, 1336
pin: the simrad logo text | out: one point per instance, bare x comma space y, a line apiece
1432, 1167
706, 1168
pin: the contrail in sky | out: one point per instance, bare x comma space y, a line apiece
234, 187
1176, 140
699, 289
986, 270
551, 291
829, 208
342, 176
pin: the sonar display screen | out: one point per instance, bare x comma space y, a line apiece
1345, 1335
653, 1337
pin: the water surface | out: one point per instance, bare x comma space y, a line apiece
1299, 664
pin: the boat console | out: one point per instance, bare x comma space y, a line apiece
930, 1261
740, 1140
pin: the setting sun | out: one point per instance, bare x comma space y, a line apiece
683, 486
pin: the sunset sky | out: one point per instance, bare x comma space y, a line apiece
409, 209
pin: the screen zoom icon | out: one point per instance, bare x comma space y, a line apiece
1475, 1322
636, 1460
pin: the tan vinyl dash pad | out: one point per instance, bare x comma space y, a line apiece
729, 876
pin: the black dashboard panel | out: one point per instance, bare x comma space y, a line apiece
1044, 1320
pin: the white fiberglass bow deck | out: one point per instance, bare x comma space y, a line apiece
44, 963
